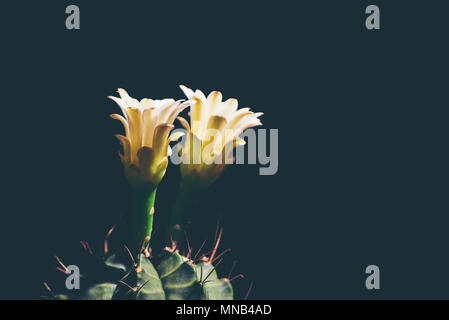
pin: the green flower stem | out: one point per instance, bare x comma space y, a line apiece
189, 194
139, 224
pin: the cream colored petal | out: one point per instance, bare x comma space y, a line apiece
162, 102
240, 124
163, 108
160, 139
135, 130
213, 136
149, 124
240, 114
168, 100
176, 111
166, 112
123, 94
196, 108
243, 118
188, 92
253, 122
120, 103
228, 108
130, 102
214, 100
248, 118
123, 121
200, 95
184, 123
146, 103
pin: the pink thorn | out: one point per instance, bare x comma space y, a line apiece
237, 276
106, 247
198, 252
216, 230
216, 245
48, 288
65, 270
221, 254
188, 246
249, 290
88, 248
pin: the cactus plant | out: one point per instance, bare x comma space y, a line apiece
169, 276
133, 273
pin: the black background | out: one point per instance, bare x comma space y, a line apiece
362, 126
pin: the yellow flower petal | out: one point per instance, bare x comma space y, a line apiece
228, 108
149, 123
130, 102
160, 140
188, 92
146, 103
120, 103
184, 123
196, 108
176, 111
135, 129
123, 121
214, 103
238, 116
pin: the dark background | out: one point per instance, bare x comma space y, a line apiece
362, 119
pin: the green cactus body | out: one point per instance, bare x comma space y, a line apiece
173, 277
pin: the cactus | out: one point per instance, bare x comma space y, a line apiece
170, 276
133, 273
